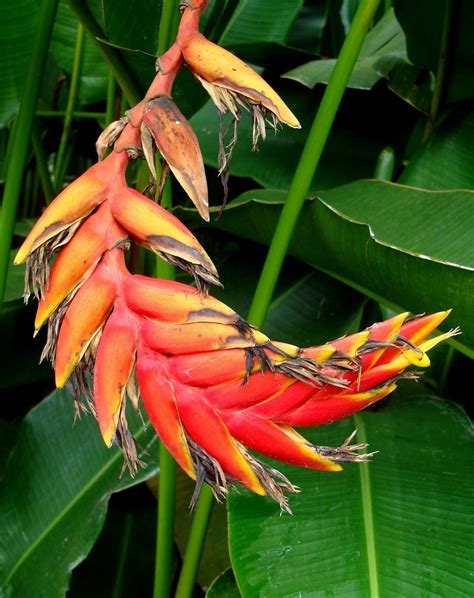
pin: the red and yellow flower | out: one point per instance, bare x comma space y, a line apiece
214, 387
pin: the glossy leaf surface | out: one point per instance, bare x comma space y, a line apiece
254, 19
386, 240
54, 495
451, 143
399, 526
383, 55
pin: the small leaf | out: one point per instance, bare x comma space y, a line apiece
383, 55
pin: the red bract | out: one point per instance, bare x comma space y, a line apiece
213, 386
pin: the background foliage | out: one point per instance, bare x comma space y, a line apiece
388, 226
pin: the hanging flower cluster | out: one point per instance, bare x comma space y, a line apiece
212, 385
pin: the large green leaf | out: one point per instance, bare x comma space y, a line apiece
383, 55
406, 247
93, 81
257, 21
54, 495
399, 526
423, 23
445, 161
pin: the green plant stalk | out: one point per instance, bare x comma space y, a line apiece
42, 163
298, 190
111, 94
75, 114
167, 489
309, 159
165, 529
441, 72
167, 486
197, 536
71, 100
168, 26
112, 56
117, 590
20, 136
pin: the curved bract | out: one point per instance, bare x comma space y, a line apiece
214, 387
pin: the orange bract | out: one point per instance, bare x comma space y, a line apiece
213, 386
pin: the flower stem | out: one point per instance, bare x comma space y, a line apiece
76, 114
167, 486
165, 529
197, 536
21, 134
111, 96
309, 159
441, 71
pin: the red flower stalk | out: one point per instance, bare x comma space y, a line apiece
212, 385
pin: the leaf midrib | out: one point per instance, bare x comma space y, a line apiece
367, 512
39, 539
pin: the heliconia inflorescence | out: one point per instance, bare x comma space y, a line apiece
213, 386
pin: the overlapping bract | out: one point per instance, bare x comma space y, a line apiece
213, 386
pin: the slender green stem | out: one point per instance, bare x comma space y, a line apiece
441, 72
21, 134
71, 100
42, 163
167, 487
117, 590
385, 165
163, 269
309, 159
75, 114
111, 97
195, 545
168, 26
112, 56
367, 508
165, 528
